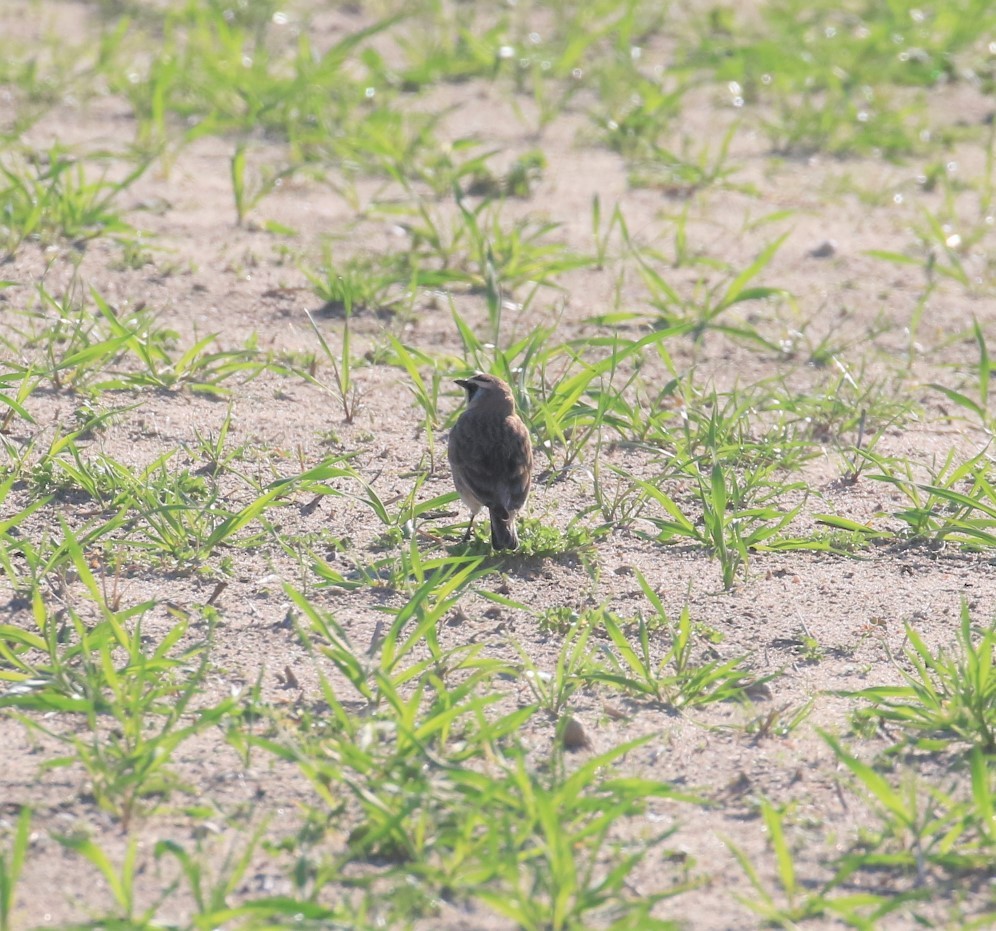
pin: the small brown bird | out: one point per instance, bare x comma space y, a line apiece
491, 457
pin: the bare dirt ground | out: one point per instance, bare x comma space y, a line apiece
208, 276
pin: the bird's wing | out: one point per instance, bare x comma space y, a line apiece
494, 459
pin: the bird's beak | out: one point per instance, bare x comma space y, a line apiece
463, 383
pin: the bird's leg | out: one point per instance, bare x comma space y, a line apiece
470, 528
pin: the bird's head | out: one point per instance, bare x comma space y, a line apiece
487, 390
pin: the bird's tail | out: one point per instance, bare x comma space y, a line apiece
503, 533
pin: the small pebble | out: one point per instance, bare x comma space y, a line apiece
574, 737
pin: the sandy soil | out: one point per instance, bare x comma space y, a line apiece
208, 276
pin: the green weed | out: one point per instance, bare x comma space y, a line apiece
677, 679
11, 866
137, 707
52, 198
920, 828
946, 696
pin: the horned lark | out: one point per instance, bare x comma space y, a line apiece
491, 457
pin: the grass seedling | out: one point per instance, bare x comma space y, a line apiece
946, 696
120, 879
799, 905
618, 499
603, 238
85, 349
919, 828
795, 901
553, 691
249, 191
780, 721
424, 390
53, 199
437, 584
702, 310
10, 868
937, 510
560, 832
211, 447
685, 174
103, 673
728, 529
361, 283
344, 388
212, 884
676, 680
570, 410
977, 406
26, 382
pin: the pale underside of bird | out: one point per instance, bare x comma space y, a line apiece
491, 457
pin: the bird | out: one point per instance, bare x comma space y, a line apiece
491, 457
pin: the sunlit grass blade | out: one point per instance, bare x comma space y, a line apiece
10, 867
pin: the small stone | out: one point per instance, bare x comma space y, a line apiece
574, 736
758, 690
616, 714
